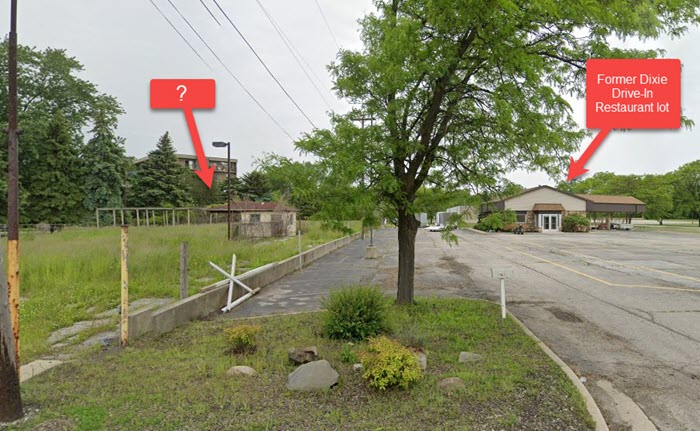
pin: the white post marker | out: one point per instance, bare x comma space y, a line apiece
502, 273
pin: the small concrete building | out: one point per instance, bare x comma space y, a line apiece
542, 208
258, 219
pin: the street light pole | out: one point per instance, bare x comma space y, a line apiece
219, 144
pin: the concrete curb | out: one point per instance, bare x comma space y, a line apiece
591, 405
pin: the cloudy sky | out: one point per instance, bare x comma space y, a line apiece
123, 45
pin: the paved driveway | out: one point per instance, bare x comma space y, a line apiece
622, 308
619, 307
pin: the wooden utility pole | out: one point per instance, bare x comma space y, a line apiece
10, 399
13, 184
124, 318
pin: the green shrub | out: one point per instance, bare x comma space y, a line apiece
355, 313
575, 223
389, 364
496, 221
347, 354
241, 338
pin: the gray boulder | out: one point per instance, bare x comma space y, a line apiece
469, 357
451, 384
241, 370
313, 376
302, 355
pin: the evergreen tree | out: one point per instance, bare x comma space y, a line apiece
55, 195
105, 165
160, 178
255, 186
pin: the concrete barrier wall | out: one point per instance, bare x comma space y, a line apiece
213, 297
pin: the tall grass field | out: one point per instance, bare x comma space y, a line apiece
71, 275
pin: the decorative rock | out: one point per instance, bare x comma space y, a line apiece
452, 384
241, 370
357, 367
316, 375
302, 355
469, 357
422, 360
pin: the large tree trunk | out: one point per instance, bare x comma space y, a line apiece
10, 400
408, 227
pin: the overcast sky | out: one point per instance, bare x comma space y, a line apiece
123, 45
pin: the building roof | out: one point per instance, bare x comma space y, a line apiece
548, 207
611, 199
189, 157
250, 206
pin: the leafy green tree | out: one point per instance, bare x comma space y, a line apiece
199, 194
105, 165
687, 189
657, 192
55, 195
159, 181
48, 81
463, 92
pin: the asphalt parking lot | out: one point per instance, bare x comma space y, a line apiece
621, 308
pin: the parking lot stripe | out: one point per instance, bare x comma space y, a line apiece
607, 283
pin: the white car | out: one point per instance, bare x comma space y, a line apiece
435, 228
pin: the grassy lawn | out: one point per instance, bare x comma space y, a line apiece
70, 275
178, 381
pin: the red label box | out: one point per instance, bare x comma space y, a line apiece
633, 93
183, 94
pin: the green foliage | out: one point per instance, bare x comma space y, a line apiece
347, 354
389, 364
254, 186
49, 81
241, 338
159, 182
496, 221
106, 168
54, 193
687, 189
355, 313
575, 223
462, 95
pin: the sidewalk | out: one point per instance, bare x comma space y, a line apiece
302, 290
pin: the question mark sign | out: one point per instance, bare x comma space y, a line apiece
184, 90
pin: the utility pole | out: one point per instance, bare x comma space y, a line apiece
10, 399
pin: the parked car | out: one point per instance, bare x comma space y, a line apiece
435, 228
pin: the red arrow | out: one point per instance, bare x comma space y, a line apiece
205, 172
576, 168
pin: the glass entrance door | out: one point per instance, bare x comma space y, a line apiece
549, 222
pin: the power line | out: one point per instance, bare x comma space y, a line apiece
180, 34
265, 65
327, 25
229, 71
212, 15
287, 43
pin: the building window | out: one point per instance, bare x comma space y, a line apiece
254, 218
521, 216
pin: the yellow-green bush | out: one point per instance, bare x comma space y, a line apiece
241, 338
389, 364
